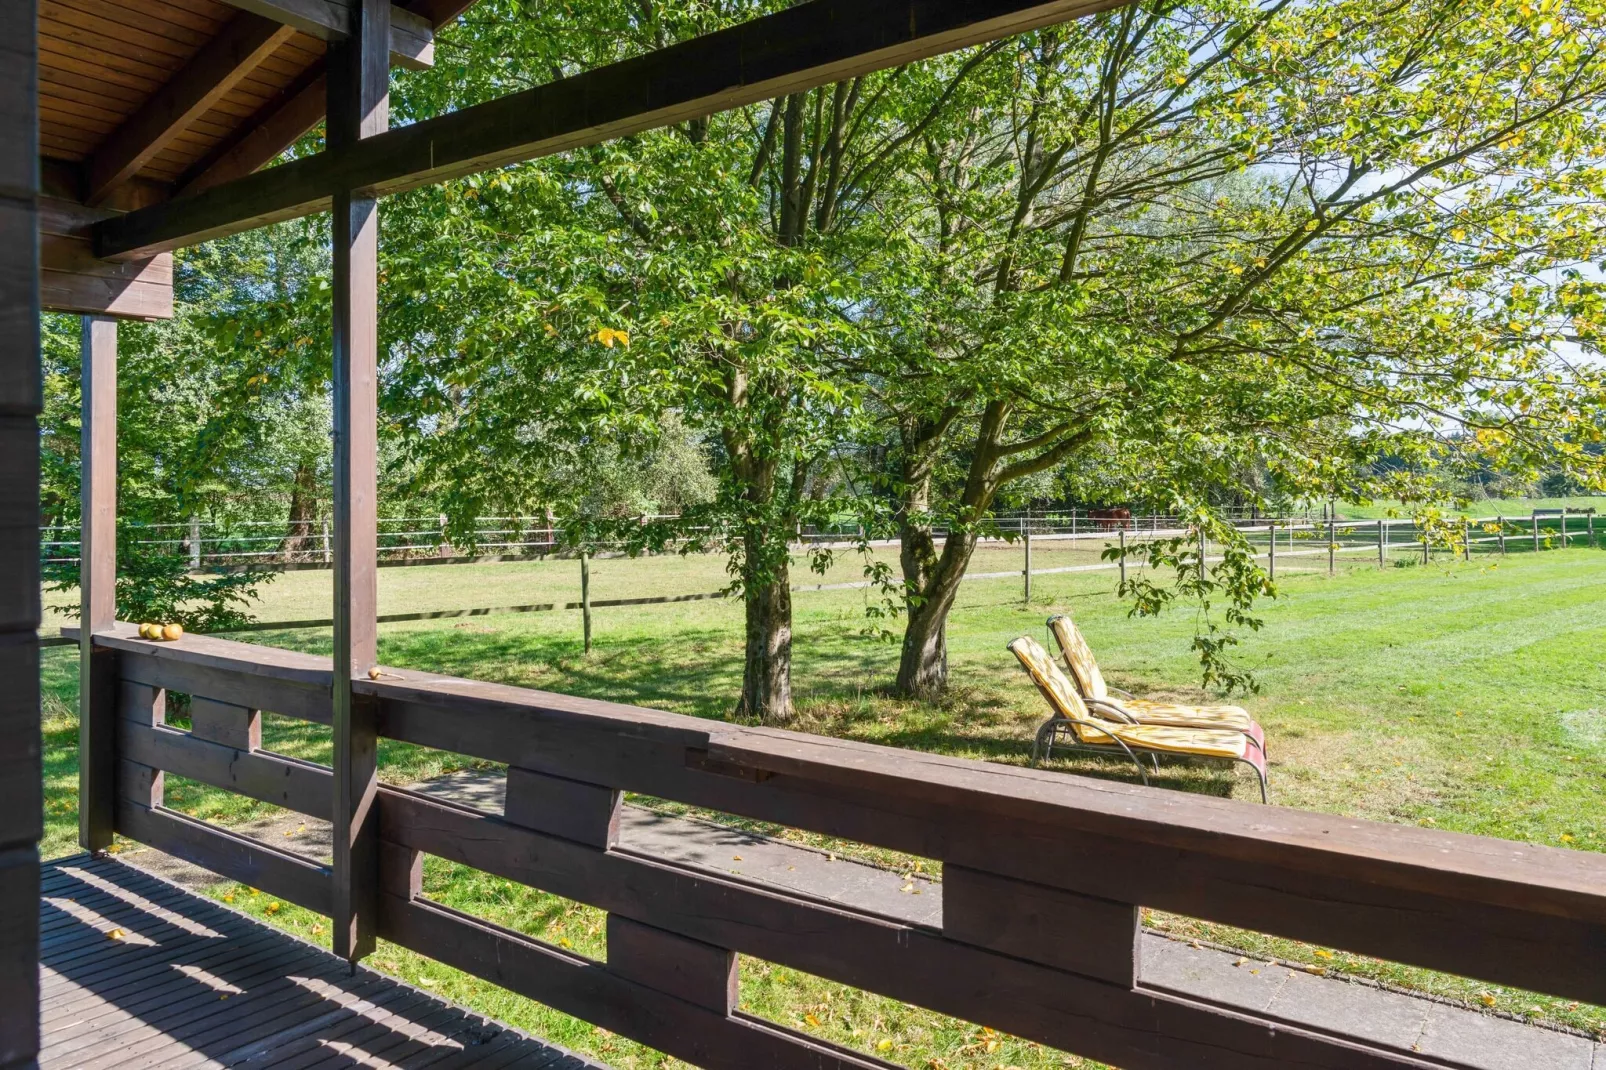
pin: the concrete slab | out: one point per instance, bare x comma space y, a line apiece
1173, 966
1375, 1014
1466, 1038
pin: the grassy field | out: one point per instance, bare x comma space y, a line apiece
1488, 507
1464, 697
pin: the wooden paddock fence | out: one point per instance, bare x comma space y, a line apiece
1043, 873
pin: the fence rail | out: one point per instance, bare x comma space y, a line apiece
422, 540
1043, 874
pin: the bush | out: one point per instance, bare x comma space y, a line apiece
153, 585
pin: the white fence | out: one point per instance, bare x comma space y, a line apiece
422, 540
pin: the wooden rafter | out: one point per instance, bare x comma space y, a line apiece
412, 37
244, 43
289, 115
812, 44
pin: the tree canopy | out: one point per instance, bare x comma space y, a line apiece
1343, 248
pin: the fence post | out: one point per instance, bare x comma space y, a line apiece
1121, 534
1382, 542
1271, 550
195, 543
327, 554
1332, 547
1466, 539
1027, 539
585, 597
1591, 523
1564, 527
1500, 526
1533, 522
1426, 550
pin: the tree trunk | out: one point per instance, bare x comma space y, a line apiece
923, 663
303, 512
767, 672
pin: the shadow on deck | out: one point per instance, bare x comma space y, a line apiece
137, 972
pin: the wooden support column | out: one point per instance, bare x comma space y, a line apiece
359, 70
97, 574
21, 808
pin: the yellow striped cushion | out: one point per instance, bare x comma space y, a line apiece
1148, 711
1048, 678
1206, 742
1078, 657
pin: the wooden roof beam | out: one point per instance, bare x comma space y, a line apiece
812, 44
236, 51
412, 37
292, 113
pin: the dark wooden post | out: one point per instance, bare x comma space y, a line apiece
1500, 528
21, 808
1271, 550
359, 72
585, 598
1466, 539
1564, 527
1122, 536
1332, 545
1026, 537
1533, 522
1382, 542
97, 578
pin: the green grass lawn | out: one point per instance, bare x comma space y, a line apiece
1487, 507
1458, 696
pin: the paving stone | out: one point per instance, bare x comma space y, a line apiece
1489, 1043
1176, 967
1335, 1006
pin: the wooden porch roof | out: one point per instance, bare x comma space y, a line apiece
101, 62
142, 101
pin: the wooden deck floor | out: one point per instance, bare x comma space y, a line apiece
187, 983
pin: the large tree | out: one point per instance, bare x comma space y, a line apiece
1199, 235
706, 270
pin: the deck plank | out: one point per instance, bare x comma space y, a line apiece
190, 985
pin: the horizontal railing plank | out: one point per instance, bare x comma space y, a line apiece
588, 990
295, 785
907, 962
1411, 895
1510, 913
237, 857
264, 678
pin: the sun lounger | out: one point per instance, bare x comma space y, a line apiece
1084, 669
1104, 729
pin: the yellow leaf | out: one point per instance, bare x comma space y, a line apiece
883, 1045
273, 908
564, 941
228, 898
1486, 999
115, 934
809, 1018
736, 858
1323, 954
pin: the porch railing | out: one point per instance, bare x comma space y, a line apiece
1043, 873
